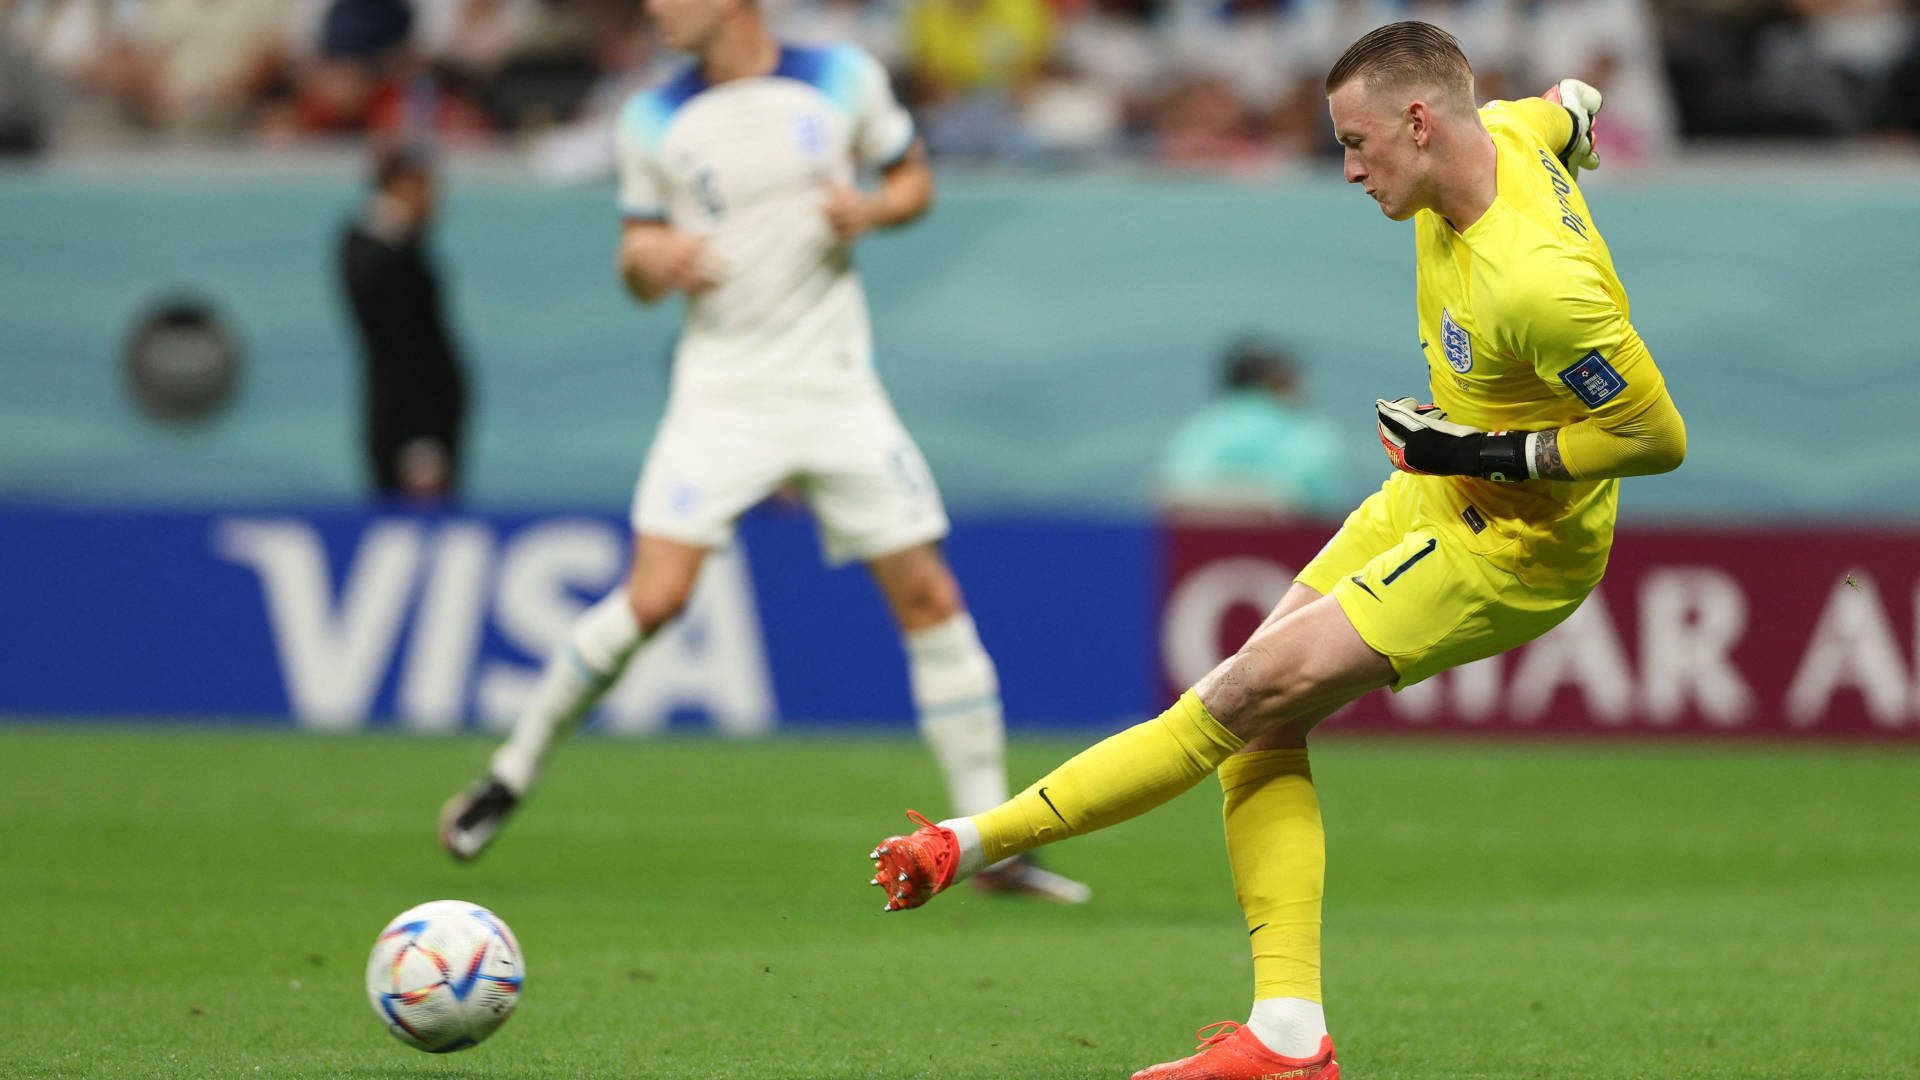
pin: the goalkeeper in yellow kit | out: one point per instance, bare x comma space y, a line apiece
1494, 527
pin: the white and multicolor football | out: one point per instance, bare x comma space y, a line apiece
443, 976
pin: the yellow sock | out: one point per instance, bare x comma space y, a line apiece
1278, 852
1117, 778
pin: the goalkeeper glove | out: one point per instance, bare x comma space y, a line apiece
1582, 102
1420, 439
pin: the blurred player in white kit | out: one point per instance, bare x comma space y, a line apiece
738, 188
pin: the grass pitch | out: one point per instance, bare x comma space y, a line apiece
191, 904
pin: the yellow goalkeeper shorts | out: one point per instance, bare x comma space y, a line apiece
1425, 589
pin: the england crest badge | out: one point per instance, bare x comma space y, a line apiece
1456, 343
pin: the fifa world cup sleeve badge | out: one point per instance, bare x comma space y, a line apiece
1593, 380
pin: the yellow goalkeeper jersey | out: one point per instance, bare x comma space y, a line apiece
1525, 327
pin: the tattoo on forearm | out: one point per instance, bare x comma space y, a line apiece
1546, 457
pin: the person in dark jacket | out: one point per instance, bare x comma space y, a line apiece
415, 388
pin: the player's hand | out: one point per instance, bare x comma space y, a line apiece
848, 212
671, 260
1582, 102
1420, 439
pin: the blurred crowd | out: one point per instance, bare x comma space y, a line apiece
1210, 83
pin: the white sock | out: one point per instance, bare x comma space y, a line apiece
596, 651
1291, 1027
972, 854
957, 694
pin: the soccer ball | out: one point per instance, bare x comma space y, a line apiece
444, 975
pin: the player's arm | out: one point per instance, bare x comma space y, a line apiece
1637, 433
655, 260
1562, 118
1580, 342
1577, 337
904, 193
1647, 439
884, 141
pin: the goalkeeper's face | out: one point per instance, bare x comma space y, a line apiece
1383, 145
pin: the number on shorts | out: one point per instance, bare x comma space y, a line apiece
904, 471
1411, 559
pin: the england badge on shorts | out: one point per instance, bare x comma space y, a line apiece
1455, 343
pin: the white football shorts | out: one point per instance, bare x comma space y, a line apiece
866, 481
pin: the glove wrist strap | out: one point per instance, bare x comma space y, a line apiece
1580, 124
1504, 457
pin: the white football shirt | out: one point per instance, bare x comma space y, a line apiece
748, 164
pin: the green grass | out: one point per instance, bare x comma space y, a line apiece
192, 904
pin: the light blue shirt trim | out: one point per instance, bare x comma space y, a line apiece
647, 114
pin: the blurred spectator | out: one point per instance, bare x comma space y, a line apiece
63, 36
1612, 44
415, 392
24, 101
1256, 450
551, 66
353, 82
365, 28
1489, 33
1831, 65
626, 60
1236, 44
874, 25
1204, 126
207, 61
471, 38
1270, 57
969, 63
1315, 33
1795, 68
193, 65
1114, 45
1902, 113
49, 44
960, 47
1065, 116
367, 74
1231, 84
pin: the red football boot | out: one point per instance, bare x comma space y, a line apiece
1231, 1052
912, 868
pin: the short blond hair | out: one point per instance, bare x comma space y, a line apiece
1405, 54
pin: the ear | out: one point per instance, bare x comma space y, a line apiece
1419, 119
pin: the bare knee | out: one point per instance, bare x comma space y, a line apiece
1257, 694
660, 579
658, 593
1278, 713
920, 588
1291, 675
656, 603
929, 603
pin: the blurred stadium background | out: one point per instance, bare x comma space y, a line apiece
1127, 188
